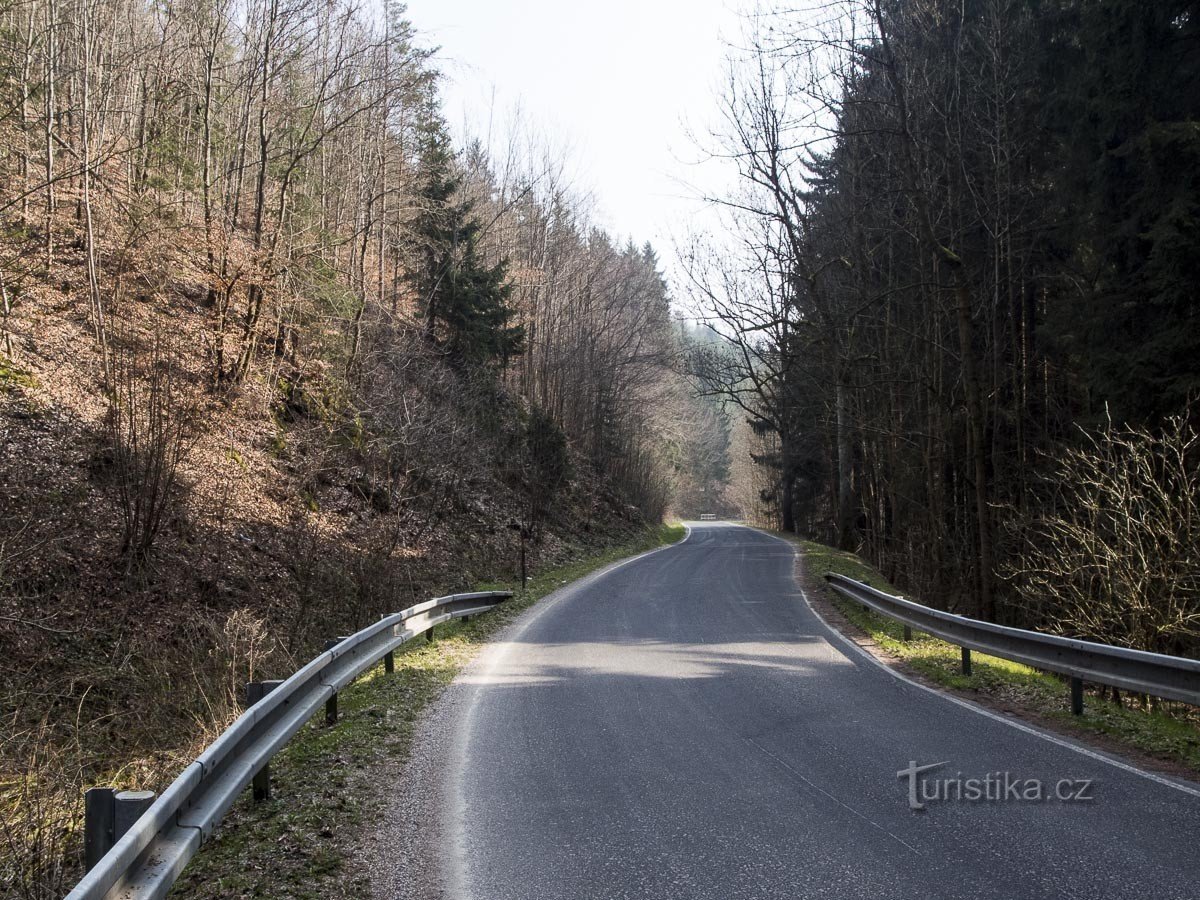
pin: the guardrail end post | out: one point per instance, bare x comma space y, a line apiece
128, 807
331, 712
908, 632
107, 815
966, 661
98, 809
1076, 696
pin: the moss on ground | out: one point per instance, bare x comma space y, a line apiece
13, 376
295, 845
1171, 733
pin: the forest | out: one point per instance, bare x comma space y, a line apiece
955, 299
277, 356
279, 352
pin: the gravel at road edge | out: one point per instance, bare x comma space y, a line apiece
402, 855
407, 854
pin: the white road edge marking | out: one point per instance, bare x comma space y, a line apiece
816, 787
967, 704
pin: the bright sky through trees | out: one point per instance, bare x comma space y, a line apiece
619, 83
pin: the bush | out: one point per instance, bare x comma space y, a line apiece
148, 428
1112, 555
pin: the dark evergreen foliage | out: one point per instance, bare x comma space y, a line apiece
465, 300
1000, 241
1127, 122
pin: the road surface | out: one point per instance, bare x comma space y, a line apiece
684, 726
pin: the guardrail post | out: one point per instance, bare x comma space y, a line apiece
1076, 695
129, 808
331, 703
331, 710
389, 658
966, 661
260, 786
524, 570
107, 815
98, 812
908, 632
429, 634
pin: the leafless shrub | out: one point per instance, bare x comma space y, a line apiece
239, 649
244, 651
423, 434
317, 579
149, 432
1113, 555
40, 799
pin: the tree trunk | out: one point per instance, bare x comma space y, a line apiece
786, 488
976, 435
51, 76
845, 463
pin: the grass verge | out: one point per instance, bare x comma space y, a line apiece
296, 844
1170, 735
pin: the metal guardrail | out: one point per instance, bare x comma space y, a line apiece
149, 857
1169, 677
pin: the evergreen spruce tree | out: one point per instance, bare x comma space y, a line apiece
465, 301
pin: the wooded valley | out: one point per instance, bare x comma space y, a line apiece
957, 299
278, 357
278, 354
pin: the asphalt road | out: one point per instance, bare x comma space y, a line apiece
684, 726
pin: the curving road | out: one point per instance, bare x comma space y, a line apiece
684, 726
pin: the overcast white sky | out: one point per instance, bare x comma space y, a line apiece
620, 82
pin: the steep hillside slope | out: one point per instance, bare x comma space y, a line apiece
305, 504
